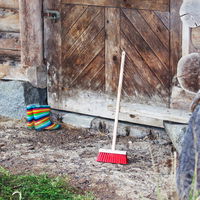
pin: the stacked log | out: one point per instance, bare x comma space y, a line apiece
10, 45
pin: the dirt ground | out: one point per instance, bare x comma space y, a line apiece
73, 152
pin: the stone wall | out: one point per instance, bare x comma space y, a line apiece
15, 95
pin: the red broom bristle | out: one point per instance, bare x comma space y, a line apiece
112, 158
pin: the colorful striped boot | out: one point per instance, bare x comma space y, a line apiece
41, 114
42, 118
30, 117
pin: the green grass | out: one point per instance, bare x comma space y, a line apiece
36, 187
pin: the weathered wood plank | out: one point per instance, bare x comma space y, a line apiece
134, 83
195, 39
10, 72
159, 113
87, 37
162, 5
186, 43
97, 82
52, 4
31, 30
164, 17
156, 24
10, 65
150, 82
9, 52
79, 27
95, 104
9, 20
175, 35
70, 14
148, 35
9, 4
112, 48
145, 51
93, 76
10, 41
74, 66
52, 51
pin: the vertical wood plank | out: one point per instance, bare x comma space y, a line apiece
175, 35
31, 28
52, 52
112, 48
195, 40
185, 39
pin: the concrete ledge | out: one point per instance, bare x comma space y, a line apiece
124, 129
78, 120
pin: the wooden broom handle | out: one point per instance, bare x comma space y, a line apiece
118, 100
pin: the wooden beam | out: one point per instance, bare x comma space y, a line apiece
9, 20
31, 27
95, 105
9, 52
161, 5
9, 4
10, 65
185, 39
159, 113
175, 35
52, 48
10, 40
195, 39
112, 48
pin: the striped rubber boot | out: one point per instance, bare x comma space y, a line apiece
30, 117
41, 118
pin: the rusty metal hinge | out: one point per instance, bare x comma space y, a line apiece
51, 14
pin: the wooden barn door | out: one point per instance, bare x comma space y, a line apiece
83, 49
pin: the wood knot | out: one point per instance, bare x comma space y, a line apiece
114, 58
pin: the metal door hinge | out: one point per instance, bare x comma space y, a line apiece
52, 14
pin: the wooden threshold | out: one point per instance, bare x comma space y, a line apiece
103, 106
159, 113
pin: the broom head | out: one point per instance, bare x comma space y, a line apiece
110, 156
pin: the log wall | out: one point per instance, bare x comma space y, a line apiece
10, 44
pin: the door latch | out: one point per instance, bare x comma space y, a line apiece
54, 15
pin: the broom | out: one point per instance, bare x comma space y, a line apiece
113, 155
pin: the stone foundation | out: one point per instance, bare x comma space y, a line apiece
15, 95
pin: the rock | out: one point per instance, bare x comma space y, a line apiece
106, 126
132, 130
77, 120
187, 158
15, 95
176, 133
33, 95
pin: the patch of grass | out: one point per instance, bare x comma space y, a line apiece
33, 187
